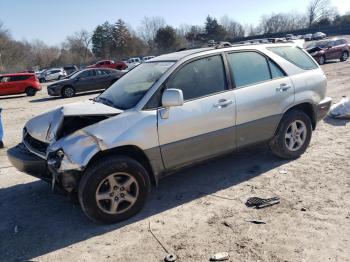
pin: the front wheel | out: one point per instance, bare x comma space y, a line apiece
113, 189
68, 91
322, 60
293, 135
344, 56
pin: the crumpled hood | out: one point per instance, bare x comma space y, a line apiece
44, 127
314, 49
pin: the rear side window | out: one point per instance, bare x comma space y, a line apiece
294, 55
18, 78
248, 68
200, 78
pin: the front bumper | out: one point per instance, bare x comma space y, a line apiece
323, 108
54, 91
27, 162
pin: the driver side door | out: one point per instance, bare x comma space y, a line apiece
204, 125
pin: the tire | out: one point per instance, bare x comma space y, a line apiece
30, 91
344, 56
59, 78
282, 143
96, 182
68, 91
322, 60
42, 80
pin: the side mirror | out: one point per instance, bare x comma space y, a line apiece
171, 97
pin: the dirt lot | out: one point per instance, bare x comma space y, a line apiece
196, 212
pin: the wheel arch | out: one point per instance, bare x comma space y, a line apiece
131, 151
306, 107
67, 85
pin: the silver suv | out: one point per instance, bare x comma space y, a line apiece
170, 112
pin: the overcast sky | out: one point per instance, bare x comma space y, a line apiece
51, 21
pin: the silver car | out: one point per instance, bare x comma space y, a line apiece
170, 112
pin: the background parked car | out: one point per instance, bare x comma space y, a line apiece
146, 58
119, 65
307, 37
329, 49
70, 69
85, 80
132, 62
318, 36
11, 84
52, 74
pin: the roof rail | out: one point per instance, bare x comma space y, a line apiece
223, 45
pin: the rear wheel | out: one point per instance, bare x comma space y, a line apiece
68, 91
322, 60
293, 135
113, 189
30, 91
344, 56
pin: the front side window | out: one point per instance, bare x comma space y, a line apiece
200, 78
248, 68
294, 55
85, 74
129, 90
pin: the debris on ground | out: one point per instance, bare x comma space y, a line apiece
341, 109
170, 258
284, 172
255, 221
258, 202
220, 257
303, 209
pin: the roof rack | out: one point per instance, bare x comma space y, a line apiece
223, 45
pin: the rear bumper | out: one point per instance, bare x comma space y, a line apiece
27, 162
323, 108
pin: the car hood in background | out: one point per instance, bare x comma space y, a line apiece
45, 127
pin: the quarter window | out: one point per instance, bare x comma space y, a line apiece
294, 55
249, 68
200, 78
276, 72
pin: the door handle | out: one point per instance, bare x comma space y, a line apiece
223, 103
283, 88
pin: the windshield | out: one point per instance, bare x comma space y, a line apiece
128, 90
322, 44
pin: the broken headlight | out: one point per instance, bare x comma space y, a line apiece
54, 158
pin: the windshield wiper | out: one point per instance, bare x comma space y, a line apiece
105, 101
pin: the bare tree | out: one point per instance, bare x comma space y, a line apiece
318, 10
149, 28
233, 28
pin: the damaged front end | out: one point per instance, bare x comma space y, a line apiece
48, 139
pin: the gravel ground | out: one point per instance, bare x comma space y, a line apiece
196, 212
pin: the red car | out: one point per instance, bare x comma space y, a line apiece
11, 84
120, 65
325, 50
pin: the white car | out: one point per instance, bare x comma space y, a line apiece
132, 62
53, 74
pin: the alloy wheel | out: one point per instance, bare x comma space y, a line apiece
117, 193
295, 136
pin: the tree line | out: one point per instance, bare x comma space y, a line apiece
154, 36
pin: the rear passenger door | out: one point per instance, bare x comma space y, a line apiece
204, 125
263, 91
